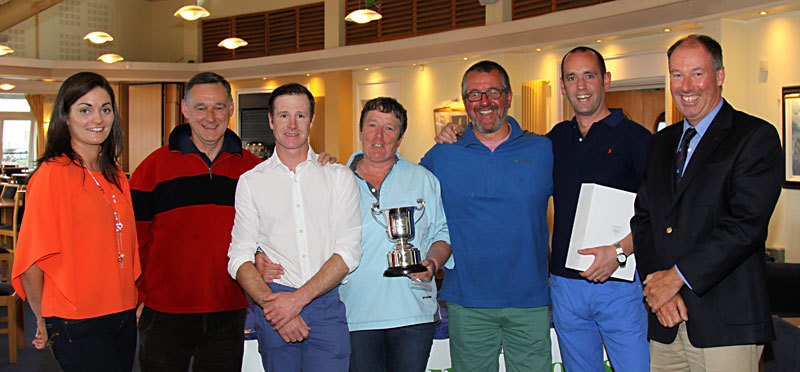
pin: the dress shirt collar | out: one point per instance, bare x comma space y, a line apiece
703, 125
275, 162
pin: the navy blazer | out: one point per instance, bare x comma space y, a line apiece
713, 226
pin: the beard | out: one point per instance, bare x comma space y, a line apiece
501, 120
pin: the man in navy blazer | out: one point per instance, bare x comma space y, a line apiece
701, 220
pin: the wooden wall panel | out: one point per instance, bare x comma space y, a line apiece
144, 122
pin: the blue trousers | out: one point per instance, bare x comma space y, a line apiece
587, 315
327, 347
401, 349
104, 343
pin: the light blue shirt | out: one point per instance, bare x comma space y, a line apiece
372, 300
701, 129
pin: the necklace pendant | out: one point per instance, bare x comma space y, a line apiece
118, 225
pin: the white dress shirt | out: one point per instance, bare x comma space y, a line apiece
299, 219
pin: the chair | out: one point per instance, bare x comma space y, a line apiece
12, 230
13, 303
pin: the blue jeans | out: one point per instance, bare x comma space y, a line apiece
103, 343
327, 347
169, 341
588, 315
402, 349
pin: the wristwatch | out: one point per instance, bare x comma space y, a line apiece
621, 257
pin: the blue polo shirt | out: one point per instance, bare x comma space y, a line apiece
496, 206
613, 154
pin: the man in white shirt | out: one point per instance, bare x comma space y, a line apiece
305, 217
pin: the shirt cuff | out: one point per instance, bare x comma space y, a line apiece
683, 278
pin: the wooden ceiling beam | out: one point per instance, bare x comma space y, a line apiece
16, 11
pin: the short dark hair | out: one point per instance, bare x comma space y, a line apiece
583, 49
207, 78
707, 42
485, 67
291, 89
386, 105
59, 139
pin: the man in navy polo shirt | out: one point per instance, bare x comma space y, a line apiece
599, 145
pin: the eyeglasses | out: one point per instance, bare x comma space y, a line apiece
491, 93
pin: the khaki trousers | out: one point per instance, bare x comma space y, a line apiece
680, 355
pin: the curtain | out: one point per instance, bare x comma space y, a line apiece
534, 106
36, 101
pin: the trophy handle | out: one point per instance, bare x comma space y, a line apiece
377, 212
420, 207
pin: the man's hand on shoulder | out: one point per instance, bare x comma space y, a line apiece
604, 264
449, 133
325, 158
295, 330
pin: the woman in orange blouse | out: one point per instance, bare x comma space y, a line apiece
77, 257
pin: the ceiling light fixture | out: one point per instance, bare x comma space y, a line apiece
7, 86
667, 29
538, 49
98, 37
763, 12
192, 12
110, 58
599, 40
365, 15
5, 50
232, 43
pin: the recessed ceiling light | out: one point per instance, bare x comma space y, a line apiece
667, 29
366, 68
110, 58
7, 86
264, 78
98, 37
599, 40
465, 58
46, 80
763, 12
538, 49
308, 74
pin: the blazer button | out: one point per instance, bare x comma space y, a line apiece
669, 230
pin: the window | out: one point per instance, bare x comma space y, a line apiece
17, 130
16, 142
14, 103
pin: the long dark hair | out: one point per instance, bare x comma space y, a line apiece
59, 140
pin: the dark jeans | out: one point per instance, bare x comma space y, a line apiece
104, 343
402, 349
167, 341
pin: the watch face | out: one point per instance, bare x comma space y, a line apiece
621, 258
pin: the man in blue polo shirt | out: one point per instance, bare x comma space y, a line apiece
495, 183
599, 145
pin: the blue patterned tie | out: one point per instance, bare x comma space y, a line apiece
680, 157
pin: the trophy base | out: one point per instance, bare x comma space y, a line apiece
403, 271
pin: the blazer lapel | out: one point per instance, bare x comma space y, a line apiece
708, 144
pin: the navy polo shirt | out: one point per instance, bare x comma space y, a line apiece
613, 154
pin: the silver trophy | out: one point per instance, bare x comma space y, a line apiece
403, 258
